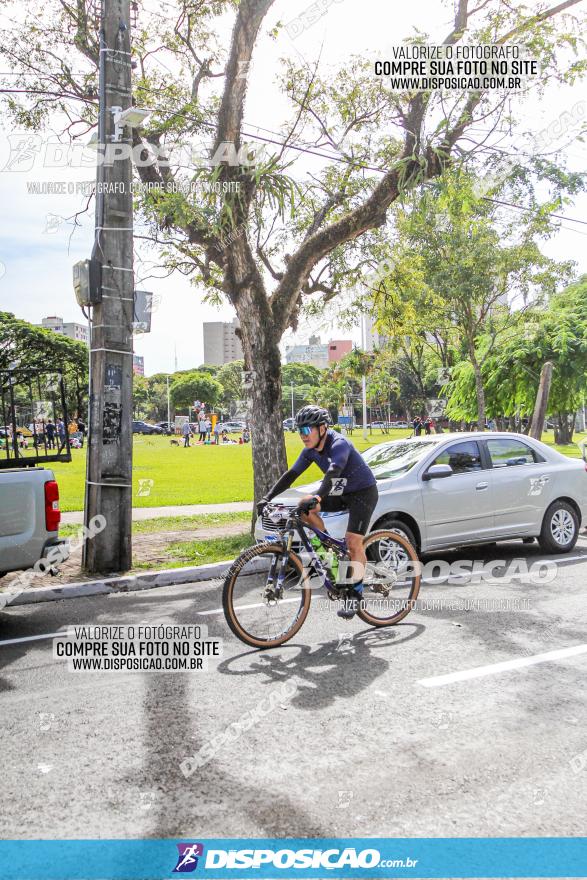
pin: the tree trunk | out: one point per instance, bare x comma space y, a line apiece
480, 392
262, 384
563, 432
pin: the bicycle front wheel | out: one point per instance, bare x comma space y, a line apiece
257, 613
392, 578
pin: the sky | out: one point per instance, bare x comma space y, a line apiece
38, 246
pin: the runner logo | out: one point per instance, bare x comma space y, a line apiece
187, 860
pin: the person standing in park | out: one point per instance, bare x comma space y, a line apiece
50, 434
202, 426
61, 434
208, 429
216, 432
186, 431
82, 429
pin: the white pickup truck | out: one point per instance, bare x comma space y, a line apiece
29, 521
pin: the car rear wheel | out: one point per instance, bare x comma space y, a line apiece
560, 528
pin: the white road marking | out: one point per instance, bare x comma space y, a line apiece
505, 666
32, 638
244, 607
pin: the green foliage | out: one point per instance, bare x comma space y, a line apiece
33, 347
301, 374
458, 268
556, 332
230, 377
195, 386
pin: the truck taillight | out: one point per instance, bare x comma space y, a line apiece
52, 512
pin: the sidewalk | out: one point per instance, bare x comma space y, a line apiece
76, 517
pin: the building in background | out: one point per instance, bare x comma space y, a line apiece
313, 353
373, 339
138, 365
318, 354
337, 348
67, 328
221, 344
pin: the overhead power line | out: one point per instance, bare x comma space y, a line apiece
315, 152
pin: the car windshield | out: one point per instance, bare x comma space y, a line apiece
400, 456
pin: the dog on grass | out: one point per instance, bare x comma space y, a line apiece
174, 442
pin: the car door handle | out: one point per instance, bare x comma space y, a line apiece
481, 486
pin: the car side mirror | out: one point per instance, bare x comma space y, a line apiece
438, 472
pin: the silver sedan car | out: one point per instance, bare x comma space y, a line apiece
448, 490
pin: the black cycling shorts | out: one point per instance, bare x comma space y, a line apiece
360, 506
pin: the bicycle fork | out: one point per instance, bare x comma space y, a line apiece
276, 577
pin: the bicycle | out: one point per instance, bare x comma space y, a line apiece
271, 577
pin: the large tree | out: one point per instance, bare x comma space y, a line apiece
189, 388
557, 333
24, 345
460, 264
251, 235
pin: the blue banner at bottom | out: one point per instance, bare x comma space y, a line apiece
296, 857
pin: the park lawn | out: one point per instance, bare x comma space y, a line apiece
165, 475
174, 523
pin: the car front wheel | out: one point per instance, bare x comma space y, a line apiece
560, 528
396, 525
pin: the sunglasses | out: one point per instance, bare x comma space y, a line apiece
305, 431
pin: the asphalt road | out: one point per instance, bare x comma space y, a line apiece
379, 739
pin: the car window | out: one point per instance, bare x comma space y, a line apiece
462, 457
395, 458
507, 453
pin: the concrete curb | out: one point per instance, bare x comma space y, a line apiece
128, 584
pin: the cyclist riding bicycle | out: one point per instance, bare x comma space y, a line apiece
348, 484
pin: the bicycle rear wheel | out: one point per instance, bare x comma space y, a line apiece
392, 579
253, 611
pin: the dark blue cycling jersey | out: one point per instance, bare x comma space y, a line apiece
338, 453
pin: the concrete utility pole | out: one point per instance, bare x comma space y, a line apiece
541, 401
364, 378
109, 472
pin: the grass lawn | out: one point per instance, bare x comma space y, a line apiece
173, 523
184, 553
165, 475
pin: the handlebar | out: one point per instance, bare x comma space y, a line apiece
299, 511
